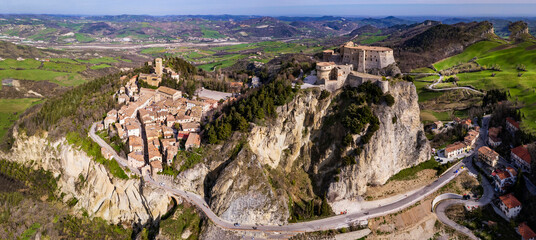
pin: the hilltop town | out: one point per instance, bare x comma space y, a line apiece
156, 123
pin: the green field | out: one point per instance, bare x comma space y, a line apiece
508, 57
98, 60
63, 67
61, 78
153, 50
207, 59
469, 53
10, 109
207, 33
25, 64
83, 38
100, 66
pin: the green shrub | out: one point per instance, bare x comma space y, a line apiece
324, 94
389, 99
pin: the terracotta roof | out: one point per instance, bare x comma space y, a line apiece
513, 122
503, 174
523, 153
455, 146
193, 139
525, 231
510, 201
136, 156
167, 90
135, 141
156, 164
488, 152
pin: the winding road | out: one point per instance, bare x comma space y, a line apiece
334, 222
486, 198
431, 86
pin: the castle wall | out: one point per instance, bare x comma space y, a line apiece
364, 60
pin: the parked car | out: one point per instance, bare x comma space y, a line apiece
237, 224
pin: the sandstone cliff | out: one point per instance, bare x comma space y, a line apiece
97, 192
244, 192
395, 146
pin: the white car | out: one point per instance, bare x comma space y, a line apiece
162, 184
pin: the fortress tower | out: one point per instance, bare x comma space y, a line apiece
158, 66
350, 66
364, 58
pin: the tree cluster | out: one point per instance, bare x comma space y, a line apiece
493, 96
255, 107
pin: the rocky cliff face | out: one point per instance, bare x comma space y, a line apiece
97, 192
243, 191
395, 146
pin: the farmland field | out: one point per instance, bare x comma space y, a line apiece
10, 109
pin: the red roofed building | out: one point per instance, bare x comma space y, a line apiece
193, 141
520, 156
509, 205
511, 125
504, 178
455, 149
526, 232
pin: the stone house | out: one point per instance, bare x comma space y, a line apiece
488, 156
156, 166
191, 127
168, 93
109, 120
509, 205
133, 130
135, 159
135, 144
520, 157
167, 132
193, 141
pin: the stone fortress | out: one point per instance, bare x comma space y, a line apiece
350, 66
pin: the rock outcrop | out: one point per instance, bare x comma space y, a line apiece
80, 177
243, 191
398, 144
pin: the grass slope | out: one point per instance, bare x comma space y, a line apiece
10, 109
508, 57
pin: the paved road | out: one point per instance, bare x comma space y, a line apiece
486, 198
316, 225
431, 87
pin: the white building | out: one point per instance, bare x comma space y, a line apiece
509, 205
133, 130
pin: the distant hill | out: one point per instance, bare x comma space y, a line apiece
385, 22
439, 42
364, 29
10, 50
519, 32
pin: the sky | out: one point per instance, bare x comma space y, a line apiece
466, 8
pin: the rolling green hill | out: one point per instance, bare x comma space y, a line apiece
511, 59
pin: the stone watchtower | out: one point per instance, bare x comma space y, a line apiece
158, 66
326, 55
323, 69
